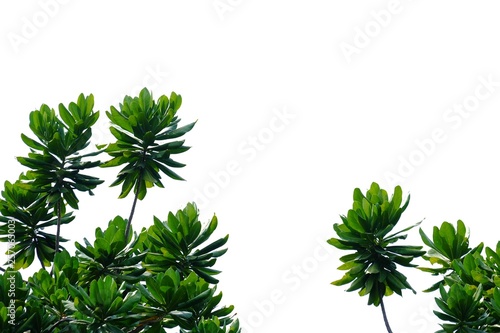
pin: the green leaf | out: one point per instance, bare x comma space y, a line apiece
122, 136
176, 133
66, 116
145, 99
169, 172
32, 143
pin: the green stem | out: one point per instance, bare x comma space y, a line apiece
385, 315
58, 233
138, 190
39, 259
129, 222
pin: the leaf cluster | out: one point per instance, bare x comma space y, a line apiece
469, 285
144, 130
38, 199
470, 281
184, 235
25, 215
373, 266
55, 160
108, 287
154, 281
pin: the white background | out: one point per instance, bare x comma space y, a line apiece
363, 86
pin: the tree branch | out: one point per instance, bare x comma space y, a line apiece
385, 315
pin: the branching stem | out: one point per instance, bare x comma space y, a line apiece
58, 232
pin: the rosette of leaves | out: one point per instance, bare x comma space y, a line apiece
474, 270
111, 254
51, 294
145, 129
173, 301
471, 278
206, 306
55, 160
179, 242
104, 306
372, 267
471, 270
27, 214
449, 248
461, 306
66, 268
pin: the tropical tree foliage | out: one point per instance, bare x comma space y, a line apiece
469, 281
158, 280
144, 129
373, 266
25, 214
55, 160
